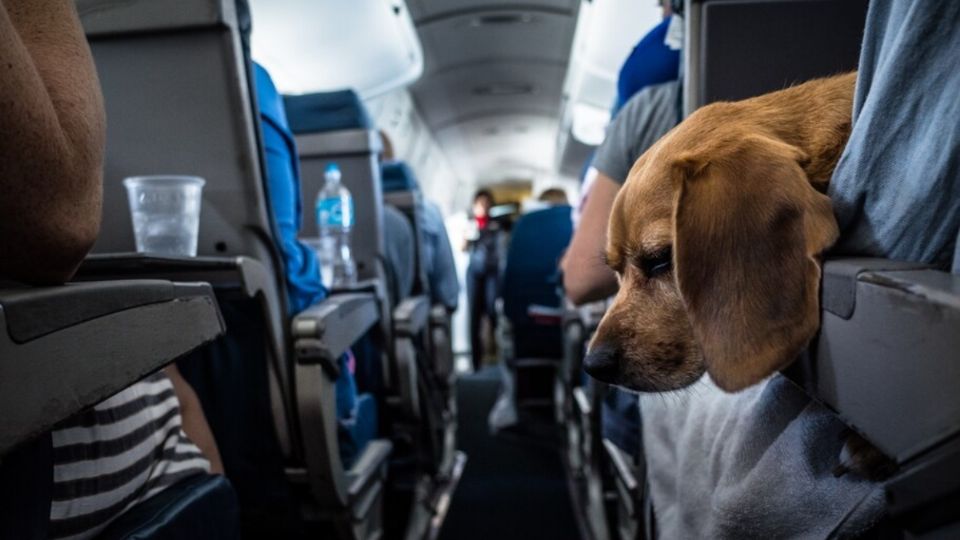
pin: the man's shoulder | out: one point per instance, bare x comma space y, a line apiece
652, 98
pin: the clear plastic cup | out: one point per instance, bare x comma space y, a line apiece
166, 213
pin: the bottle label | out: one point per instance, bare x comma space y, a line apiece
332, 213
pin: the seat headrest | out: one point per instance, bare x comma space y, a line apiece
397, 176
326, 111
651, 62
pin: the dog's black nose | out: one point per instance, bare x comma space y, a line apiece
603, 363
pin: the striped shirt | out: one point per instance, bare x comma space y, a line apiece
117, 454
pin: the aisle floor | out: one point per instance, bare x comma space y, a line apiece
513, 486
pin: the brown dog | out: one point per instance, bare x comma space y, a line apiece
716, 238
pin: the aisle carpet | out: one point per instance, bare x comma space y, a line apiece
513, 486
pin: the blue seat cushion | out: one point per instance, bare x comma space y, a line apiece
651, 62
397, 176
201, 507
326, 111
358, 430
531, 278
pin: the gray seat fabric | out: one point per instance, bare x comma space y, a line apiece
738, 49
400, 253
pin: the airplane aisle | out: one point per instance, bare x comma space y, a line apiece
513, 486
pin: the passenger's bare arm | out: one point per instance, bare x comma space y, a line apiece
585, 276
52, 134
193, 420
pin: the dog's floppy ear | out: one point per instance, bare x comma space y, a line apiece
748, 231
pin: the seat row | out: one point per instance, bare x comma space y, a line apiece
183, 96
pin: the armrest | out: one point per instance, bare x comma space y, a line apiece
233, 278
244, 273
588, 315
886, 359
324, 331
374, 286
411, 316
70, 347
439, 315
367, 475
582, 401
620, 465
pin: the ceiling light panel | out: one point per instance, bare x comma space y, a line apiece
314, 45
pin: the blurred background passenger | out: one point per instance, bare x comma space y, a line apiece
482, 275
440, 267
554, 196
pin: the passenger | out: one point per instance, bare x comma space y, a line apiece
440, 266
554, 196
639, 122
304, 287
645, 113
400, 253
398, 241
135, 444
482, 274
903, 148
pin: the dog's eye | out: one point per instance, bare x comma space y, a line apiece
657, 264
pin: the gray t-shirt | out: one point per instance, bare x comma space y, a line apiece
649, 115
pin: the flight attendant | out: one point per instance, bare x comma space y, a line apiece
482, 273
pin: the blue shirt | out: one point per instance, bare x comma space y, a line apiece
651, 62
304, 287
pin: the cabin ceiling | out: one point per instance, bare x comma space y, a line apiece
492, 85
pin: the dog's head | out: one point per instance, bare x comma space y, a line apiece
715, 238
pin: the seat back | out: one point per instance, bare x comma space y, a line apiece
178, 101
531, 280
335, 127
401, 190
735, 49
177, 87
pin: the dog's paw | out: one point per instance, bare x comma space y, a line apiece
863, 459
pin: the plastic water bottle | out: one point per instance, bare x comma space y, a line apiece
334, 221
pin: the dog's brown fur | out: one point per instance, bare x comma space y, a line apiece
736, 194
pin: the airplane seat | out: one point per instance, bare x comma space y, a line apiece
789, 41
650, 62
335, 127
532, 302
402, 190
357, 413
178, 88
